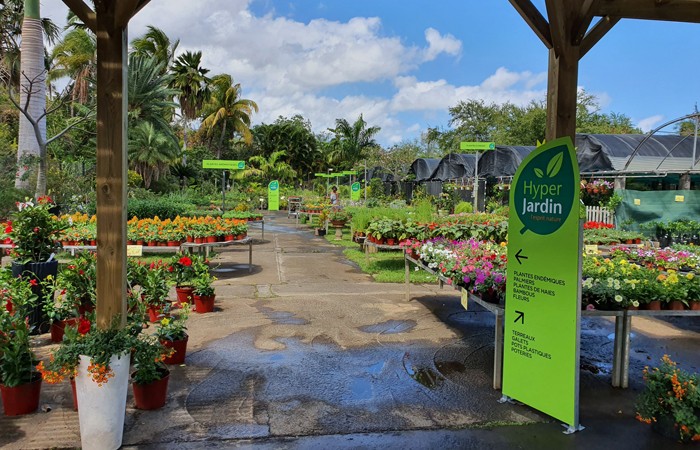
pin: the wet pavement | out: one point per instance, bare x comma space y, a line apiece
306, 352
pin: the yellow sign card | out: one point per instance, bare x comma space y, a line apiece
680, 198
465, 299
591, 249
637, 201
134, 250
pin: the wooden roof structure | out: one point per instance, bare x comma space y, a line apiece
567, 34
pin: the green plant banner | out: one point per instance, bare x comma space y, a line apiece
273, 196
227, 164
355, 191
542, 313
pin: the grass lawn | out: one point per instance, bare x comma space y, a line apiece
384, 266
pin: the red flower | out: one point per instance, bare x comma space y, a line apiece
185, 261
44, 199
33, 282
170, 268
83, 326
8, 228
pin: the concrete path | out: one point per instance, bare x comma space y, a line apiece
307, 352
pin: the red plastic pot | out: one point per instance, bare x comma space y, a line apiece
180, 347
22, 399
204, 303
58, 328
184, 294
154, 312
151, 395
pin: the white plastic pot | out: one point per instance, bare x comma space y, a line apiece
101, 409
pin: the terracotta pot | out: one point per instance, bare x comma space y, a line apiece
22, 399
391, 241
93, 242
130, 242
211, 239
675, 305
184, 294
140, 241
695, 306
162, 243
152, 244
58, 327
240, 237
151, 395
173, 243
180, 347
199, 240
654, 305
154, 312
75, 394
204, 303
189, 239
230, 237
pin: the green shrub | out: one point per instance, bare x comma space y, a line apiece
163, 207
464, 207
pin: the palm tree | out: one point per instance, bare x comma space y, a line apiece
272, 168
149, 97
226, 107
150, 152
75, 56
350, 141
156, 44
192, 84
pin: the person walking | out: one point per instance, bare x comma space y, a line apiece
334, 196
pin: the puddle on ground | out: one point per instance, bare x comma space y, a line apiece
390, 327
426, 376
282, 317
361, 389
375, 368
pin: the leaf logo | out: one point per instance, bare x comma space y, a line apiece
538, 172
554, 165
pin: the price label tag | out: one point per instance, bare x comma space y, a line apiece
134, 250
465, 299
591, 249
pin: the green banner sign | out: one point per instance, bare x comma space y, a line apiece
348, 172
477, 146
225, 164
324, 175
543, 305
273, 196
355, 191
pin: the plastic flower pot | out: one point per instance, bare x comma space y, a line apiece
184, 294
180, 347
22, 399
654, 305
151, 395
154, 312
58, 328
102, 408
204, 303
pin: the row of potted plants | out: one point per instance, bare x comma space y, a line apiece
482, 227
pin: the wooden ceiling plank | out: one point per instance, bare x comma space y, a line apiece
535, 19
83, 12
669, 10
600, 29
124, 10
585, 19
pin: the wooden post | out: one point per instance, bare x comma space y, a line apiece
112, 47
561, 94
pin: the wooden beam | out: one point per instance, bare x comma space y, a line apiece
584, 21
671, 10
534, 18
126, 9
111, 177
562, 17
562, 84
604, 25
83, 12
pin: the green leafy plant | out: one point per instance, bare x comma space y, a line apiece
35, 231
203, 284
671, 395
174, 328
149, 354
156, 284
464, 207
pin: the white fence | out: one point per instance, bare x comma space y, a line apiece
599, 214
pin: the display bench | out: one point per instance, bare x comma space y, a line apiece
623, 326
371, 247
262, 225
206, 247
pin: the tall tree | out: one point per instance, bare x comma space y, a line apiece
156, 44
227, 108
75, 56
295, 137
192, 85
268, 169
150, 152
350, 141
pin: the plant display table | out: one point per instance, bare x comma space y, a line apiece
371, 247
205, 248
623, 327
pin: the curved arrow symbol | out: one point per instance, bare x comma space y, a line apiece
520, 317
518, 256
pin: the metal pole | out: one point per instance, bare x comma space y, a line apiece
223, 191
365, 181
476, 182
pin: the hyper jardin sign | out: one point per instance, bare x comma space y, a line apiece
355, 191
273, 196
543, 306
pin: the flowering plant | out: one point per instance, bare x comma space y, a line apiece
35, 231
16, 357
671, 394
203, 284
88, 340
156, 284
173, 328
149, 354
183, 269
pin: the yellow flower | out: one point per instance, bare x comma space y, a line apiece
690, 275
165, 322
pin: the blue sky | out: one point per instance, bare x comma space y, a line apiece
404, 63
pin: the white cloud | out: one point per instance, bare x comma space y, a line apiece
440, 44
650, 123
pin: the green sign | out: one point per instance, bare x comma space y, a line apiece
273, 196
348, 172
324, 175
355, 191
226, 164
477, 146
543, 312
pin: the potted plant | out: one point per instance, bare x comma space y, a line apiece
204, 294
338, 217
155, 289
150, 377
20, 384
183, 271
98, 359
670, 401
77, 281
60, 311
35, 234
171, 331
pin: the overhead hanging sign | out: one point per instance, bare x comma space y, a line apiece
225, 164
273, 196
355, 191
543, 305
324, 175
477, 146
348, 172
